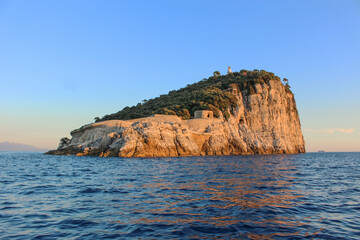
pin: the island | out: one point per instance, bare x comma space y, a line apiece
239, 113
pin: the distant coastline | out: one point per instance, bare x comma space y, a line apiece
19, 147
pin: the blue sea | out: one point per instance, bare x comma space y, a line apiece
303, 196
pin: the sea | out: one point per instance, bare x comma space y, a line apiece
301, 196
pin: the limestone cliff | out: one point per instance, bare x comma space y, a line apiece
263, 122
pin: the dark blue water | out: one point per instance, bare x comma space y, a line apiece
315, 196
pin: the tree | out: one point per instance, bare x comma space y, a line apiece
286, 83
217, 74
96, 119
184, 114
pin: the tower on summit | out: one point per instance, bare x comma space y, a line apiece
229, 70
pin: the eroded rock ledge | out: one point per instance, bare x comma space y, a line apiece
266, 122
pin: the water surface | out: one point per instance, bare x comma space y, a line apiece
314, 195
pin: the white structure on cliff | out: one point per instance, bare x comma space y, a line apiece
203, 114
229, 70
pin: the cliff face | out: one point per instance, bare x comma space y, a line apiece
263, 122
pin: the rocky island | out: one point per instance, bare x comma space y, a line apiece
246, 112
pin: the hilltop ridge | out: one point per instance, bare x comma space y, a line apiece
213, 93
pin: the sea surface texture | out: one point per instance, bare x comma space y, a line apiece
314, 196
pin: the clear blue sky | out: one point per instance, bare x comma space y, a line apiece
62, 63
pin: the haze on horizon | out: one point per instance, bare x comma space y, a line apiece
62, 63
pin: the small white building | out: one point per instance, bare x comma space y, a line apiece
203, 114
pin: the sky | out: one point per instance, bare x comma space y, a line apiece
62, 63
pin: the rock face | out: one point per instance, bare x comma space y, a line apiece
265, 122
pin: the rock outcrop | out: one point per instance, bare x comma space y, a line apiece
263, 122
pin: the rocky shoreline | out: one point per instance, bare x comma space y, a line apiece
264, 122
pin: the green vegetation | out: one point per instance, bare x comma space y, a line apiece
286, 84
217, 74
209, 94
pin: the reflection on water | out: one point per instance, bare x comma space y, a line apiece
263, 185
251, 197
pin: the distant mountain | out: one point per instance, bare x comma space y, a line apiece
18, 147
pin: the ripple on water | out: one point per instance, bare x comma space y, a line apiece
75, 223
91, 190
